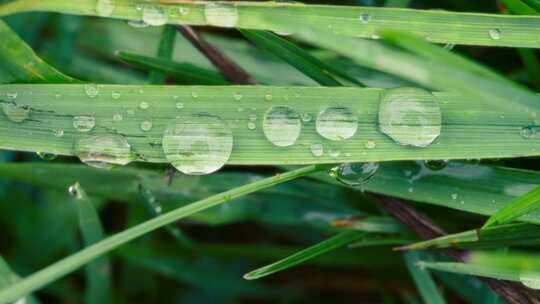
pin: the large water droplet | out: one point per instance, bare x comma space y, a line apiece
531, 280
410, 116
354, 174
336, 123
15, 112
154, 15
197, 144
84, 123
282, 126
91, 90
221, 14
105, 8
495, 34
103, 151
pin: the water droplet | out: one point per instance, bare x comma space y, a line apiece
251, 125
370, 144
436, 165
146, 125
221, 14
237, 96
137, 23
410, 116
282, 33
454, 196
268, 97
105, 8
11, 96
117, 117
144, 105
58, 132
154, 15
317, 149
84, 123
197, 144
528, 132
195, 95
531, 280
365, 18
410, 190
46, 156
179, 105
305, 117
334, 153
354, 174
15, 112
336, 123
184, 11
495, 34
115, 95
282, 126
103, 151
91, 90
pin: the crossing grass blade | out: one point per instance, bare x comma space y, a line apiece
8, 277
165, 51
98, 272
435, 25
516, 208
422, 279
306, 254
19, 63
75, 261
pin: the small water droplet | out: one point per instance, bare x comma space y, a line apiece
118, 117
528, 132
102, 151
410, 116
531, 280
282, 126
11, 96
91, 90
268, 97
46, 156
221, 14
105, 8
137, 24
115, 95
84, 123
195, 95
237, 96
184, 10
251, 125
495, 34
15, 112
454, 196
410, 190
365, 18
146, 125
354, 174
282, 33
154, 15
179, 105
436, 165
58, 132
317, 149
334, 152
306, 117
197, 144
449, 46
370, 144
336, 123
144, 105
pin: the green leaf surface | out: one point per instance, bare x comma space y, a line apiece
422, 279
516, 208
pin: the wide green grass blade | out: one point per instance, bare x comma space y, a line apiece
98, 272
422, 279
165, 51
485, 132
516, 208
303, 61
182, 72
435, 25
304, 255
19, 63
75, 261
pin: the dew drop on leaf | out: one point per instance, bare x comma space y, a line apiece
370, 144
495, 34
237, 96
336, 123
103, 151
528, 132
282, 126
435, 165
197, 144
410, 116
15, 112
221, 14
365, 18
251, 125
317, 149
146, 125
91, 90
144, 105
84, 123
354, 174
153, 15
115, 95
179, 105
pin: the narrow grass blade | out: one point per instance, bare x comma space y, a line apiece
165, 51
182, 72
422, 279
516, 208
297, 57
440, 26
19, 63
370, 241
534, 4
98, 272
75, 261
8, 277
519, 7
304, 255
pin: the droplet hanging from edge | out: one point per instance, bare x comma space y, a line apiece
84, 123
282, 126
495, 34
103, 151
317, 149
91, 90
105, 8
530, 279
46, 156
197, 144
336, 123
154, 15
435, 165
354, 174
14, 112
410, 116
221, 14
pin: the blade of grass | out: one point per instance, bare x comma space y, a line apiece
440, 26
519, 7
8, 277
98, 272
516, 208
165, 51
422, 279
75, 261
370, 241
304, 255
533, 3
